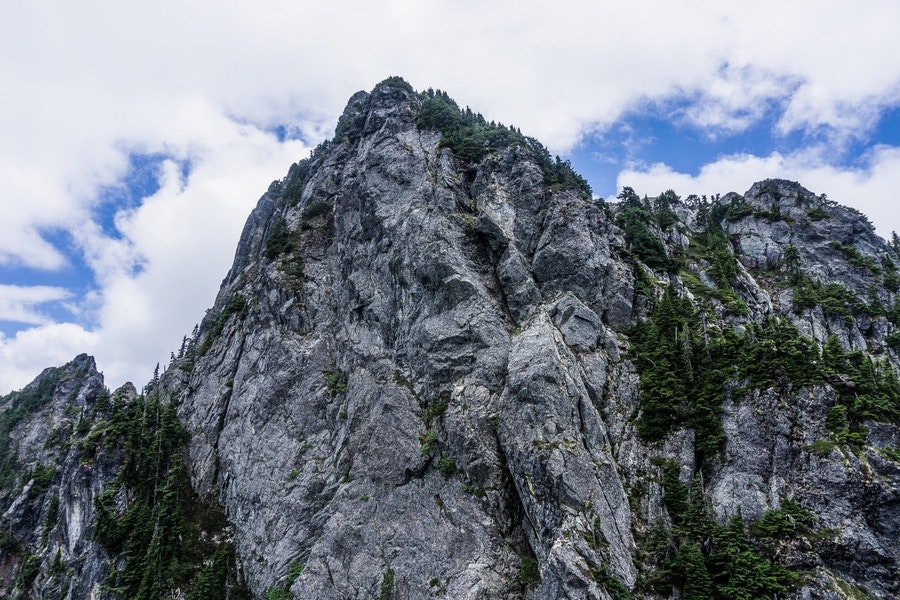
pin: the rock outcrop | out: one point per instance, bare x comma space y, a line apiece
439, 368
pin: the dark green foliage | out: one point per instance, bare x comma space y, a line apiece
387, 585
834, 298
684, 368
471, 138
57, 566
294, 571
705, 559
278, 594
28, 572
893, 339
635, 219
42, 476
427, 440
297, 178
447, 466
776, 353
717, 248
281, 240
675, 493
236, 305
772, 214
739, 571
435, 409
335, 382
874, 305
558, 173
52, 517
316, 209
663, 214
395, 81
891, 277
864, 390
788, 521
158, 536
283, 592
856, 258
697, 581
735, 210
714, 246
792, 265
212, 580
284, 245
681, 383
8, 542
529, 572
643, 283
817, 213
612, 584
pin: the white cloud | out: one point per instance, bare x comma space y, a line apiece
31, 350
871, 188
19, 303
156, 279
736, 98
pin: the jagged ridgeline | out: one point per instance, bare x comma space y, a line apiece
439, 368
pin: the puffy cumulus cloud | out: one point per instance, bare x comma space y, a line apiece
162, 268
31, 350
870, 188
176, 247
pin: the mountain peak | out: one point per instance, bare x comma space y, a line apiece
439, 367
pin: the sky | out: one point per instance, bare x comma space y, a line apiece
135, 138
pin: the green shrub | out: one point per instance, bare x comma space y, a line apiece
235, 306
42, 476
280, 240
529, 572
297, 178
856, 258
634, 220
386, 591
471, 138
164, 538
788, 521
817, 213
612, 584
435, 409
294, 572
28, 572
427, 441
316, 209
395, 81
335, 382
447, 466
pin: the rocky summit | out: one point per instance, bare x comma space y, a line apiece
440, 368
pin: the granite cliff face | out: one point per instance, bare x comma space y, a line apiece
439, 368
